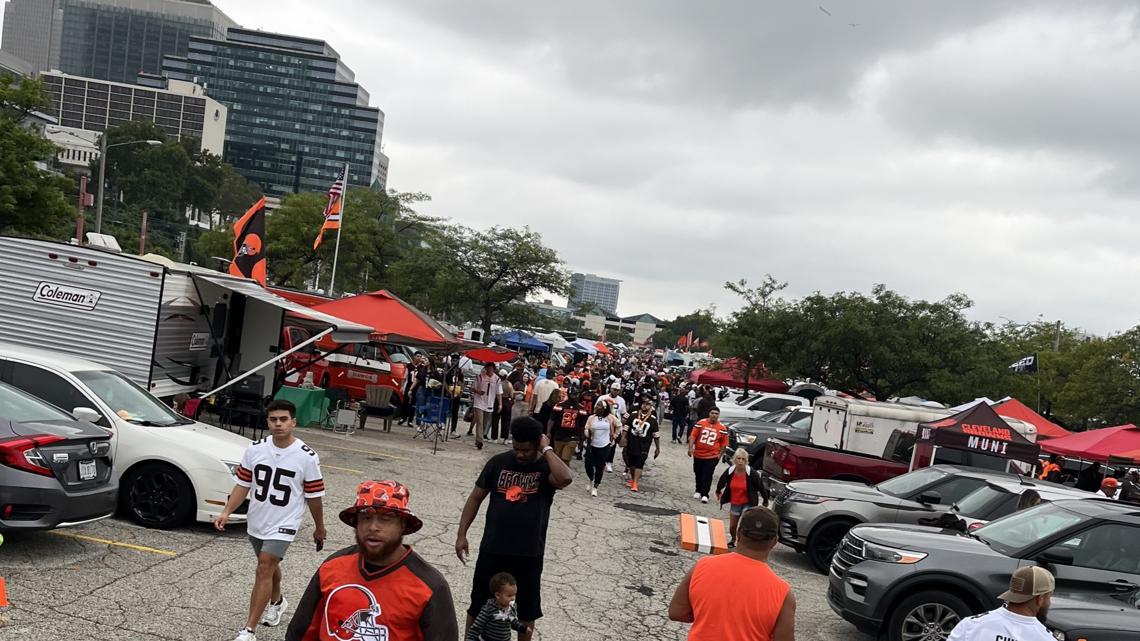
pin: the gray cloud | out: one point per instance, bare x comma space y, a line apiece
972, 146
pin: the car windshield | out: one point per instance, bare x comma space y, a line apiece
129, 401
1021, 529
908, 483
975, 504
801, 422
20, 407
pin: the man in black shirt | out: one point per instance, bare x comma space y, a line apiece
679, 404
638, 433
521, 484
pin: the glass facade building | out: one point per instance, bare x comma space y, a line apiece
111, 40
589, 288
296, 114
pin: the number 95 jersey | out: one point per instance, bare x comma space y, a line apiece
279, 479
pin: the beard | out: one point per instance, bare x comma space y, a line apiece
1043, 614
387, 550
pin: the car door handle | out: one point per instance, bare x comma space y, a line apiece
1123, 585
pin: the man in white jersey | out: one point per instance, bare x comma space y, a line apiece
1026, 606
284, 474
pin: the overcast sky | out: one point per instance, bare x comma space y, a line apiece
979, 146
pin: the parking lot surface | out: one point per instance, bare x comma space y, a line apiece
612, 562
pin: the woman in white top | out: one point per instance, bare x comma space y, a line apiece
601, 430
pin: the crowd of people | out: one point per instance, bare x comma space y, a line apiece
1116, 483
549, 416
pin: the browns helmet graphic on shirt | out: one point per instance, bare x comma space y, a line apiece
517, 487
352, 613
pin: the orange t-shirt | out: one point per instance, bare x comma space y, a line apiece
746, 611
709, 440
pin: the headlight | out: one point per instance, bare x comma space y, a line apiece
745, 439
876, 552
800, 497
232, 467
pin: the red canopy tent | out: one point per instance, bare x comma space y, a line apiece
490, 354
729, 375
1046, 429
1096, 445
395, 320
602, 349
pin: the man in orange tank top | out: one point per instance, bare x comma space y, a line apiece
736, 596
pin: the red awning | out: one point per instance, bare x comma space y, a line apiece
301, 298
601, 347
725, 378
490, 354
1096, 445
395, 321
1046, 429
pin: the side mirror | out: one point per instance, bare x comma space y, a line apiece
87, 414
929, 497
1057, 556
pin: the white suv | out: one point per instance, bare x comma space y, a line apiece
169, 468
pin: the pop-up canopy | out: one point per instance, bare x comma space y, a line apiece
521, 340
394, 320
1096, 445
1046, 429
979, 429
729, 375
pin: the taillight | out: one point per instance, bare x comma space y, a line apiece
791, 465
21, 453
975, 525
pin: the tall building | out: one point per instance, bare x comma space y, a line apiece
296, 114
107, 39
179, 108
588, 288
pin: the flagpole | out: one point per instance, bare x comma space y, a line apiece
336, 249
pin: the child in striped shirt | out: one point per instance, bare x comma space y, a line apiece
498, 616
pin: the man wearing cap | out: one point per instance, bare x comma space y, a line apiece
378, 589
1026, 606
737, 596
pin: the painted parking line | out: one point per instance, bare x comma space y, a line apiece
326, 466
360, 451
120, 544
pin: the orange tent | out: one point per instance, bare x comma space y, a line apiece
395, 320
602, 348
1046, 429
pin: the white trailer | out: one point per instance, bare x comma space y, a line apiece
867, 427
170, 328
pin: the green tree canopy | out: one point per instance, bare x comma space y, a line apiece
32, 201
703, 323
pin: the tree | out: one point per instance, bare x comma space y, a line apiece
235, 195
480, 275
32, 201
702, 323
748, 336
619, 336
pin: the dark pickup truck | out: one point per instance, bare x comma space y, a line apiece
785, 462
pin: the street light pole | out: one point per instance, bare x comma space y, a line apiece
102, 179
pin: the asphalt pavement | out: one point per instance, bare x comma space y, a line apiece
612, 562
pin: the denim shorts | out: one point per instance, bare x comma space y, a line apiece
737, 509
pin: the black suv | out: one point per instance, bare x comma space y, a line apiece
915, 582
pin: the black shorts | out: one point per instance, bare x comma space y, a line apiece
527, 571
636, 459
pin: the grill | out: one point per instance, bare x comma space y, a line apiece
850, 552
782, 497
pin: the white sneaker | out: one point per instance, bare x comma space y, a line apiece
593, 491
696, 495
704, 499
508, 442
609, 467
273, 613
246, 635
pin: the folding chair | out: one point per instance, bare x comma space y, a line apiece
431, 418
378, 400
335, 400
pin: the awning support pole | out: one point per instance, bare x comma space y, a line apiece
269, 362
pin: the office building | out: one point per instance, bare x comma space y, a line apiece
107, 39
181, 109
640, 326
296, 114
13, 65
588, 288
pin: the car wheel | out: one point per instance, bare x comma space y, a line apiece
823, 542
157, 495
926, 616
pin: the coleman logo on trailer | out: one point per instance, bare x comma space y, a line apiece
66, 296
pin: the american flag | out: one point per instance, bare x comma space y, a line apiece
334, 208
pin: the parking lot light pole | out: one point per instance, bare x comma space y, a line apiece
103, 147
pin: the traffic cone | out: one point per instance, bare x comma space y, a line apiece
3, 594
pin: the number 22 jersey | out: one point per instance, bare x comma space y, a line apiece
279, 481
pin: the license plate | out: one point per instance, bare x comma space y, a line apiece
86, 470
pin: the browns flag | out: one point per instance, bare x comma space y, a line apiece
335, 207
249, 244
